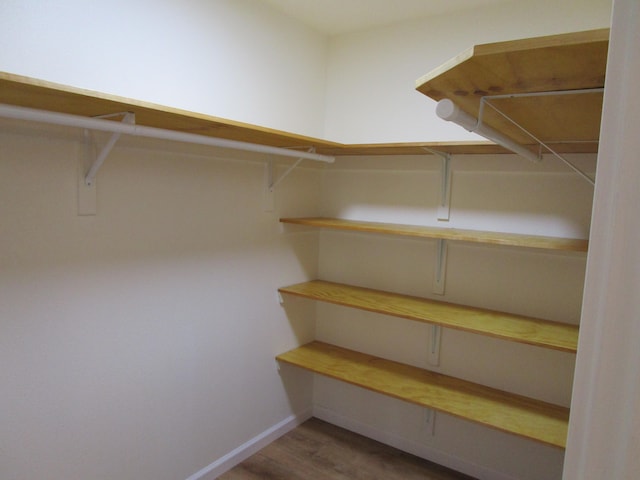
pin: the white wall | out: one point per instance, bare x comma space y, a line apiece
140, 343
242, 60
236, 59
603, 434
504, 194
371, 93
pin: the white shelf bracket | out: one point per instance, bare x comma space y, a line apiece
440, 273
444, 208
435, 337
89, 179
268, 193
430, 421
271, 182
87, 198
90, 162
274, 183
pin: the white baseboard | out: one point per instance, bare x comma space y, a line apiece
409, 446
244, 451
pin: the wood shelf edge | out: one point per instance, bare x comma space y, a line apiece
504, 326
556, 63
19, 90
513, 46
445, 233
540, 421
581, 37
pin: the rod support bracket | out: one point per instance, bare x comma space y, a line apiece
128, 118
273, 182
270, 182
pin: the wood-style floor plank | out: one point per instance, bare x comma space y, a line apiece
317, 450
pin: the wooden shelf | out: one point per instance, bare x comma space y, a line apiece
506, 326
414, 148
554, 63
504, 411
476, 236
34, 93
560, 62
453, 148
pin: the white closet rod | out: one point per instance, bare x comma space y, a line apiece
65, 119
449, 111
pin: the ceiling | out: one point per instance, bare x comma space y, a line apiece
334, 17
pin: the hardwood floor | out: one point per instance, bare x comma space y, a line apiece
317, 450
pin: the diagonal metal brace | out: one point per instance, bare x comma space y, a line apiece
89, 179
272, 183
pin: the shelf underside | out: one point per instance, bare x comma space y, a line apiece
506, 326
564, 62
504, 411
475, 236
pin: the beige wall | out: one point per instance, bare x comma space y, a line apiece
371, 77
501, 193
603, 433
140, 342
236, 59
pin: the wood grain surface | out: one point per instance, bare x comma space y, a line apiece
563, 62
456, 234
506, 326
30, 92
533, 419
